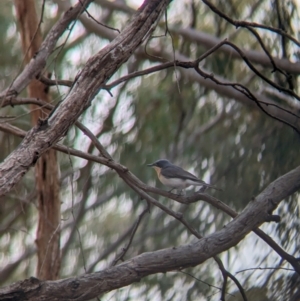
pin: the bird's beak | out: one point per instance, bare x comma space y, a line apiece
150, 165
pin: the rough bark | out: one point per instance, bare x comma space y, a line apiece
96, 72
203, 39
37, 64
46, 169
91, 285
280, 111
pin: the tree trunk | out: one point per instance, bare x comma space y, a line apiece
46, 169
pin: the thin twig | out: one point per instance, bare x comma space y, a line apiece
204, 282
180, 218
173, 50
194, 64
251, 66
266, 268
184, 200
134, 229
250, 24
251, 96
104, 25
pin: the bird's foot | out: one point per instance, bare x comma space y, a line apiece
202, 189
181, 192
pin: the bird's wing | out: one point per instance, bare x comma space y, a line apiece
178, 172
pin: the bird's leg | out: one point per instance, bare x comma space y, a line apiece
202, 189
181, 192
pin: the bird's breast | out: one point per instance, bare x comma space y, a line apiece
173, 182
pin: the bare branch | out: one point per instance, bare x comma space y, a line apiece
266, 268
206, 40
250, 24
184, 200
96, 72
90, 16
133, 231
37, 64
55, 82
91, 285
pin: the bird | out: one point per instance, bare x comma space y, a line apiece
176, 177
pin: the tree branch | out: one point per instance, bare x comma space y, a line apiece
37, 64
91, 285
248, 25
184, 200
96, 72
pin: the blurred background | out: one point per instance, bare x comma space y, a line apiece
217, 134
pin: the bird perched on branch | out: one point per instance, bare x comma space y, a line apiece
176, 177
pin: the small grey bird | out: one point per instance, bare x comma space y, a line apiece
176, 177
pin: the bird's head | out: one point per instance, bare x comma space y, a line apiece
160, 163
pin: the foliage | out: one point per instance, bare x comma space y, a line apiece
161, 115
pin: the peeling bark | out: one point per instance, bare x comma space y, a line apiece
96, 72
46, 169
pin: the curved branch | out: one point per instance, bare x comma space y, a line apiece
37, 64
248, 25
184, 200
206, 40
96, 72
89, 286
